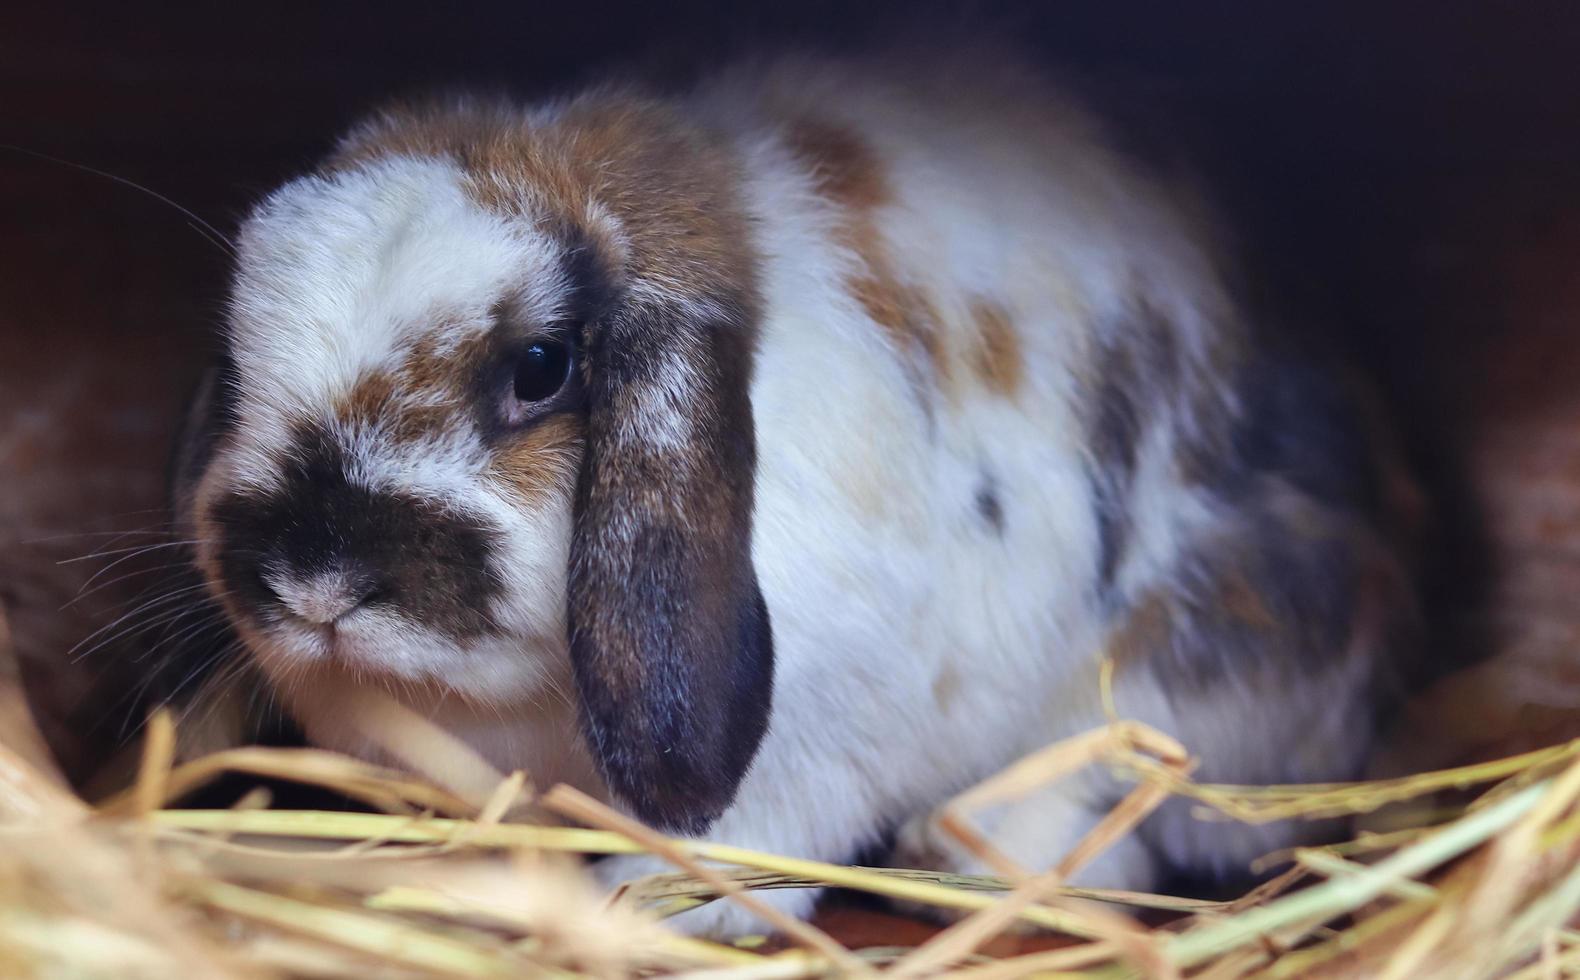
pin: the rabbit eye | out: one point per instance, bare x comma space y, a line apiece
542, 370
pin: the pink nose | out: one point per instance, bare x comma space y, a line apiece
322, 598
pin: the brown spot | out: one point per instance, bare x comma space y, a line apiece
905, 313
1241, 602
445, 375
375, 401
429, 393
425, 369
843, 167
543, 461
368, 400
997, 358
845, 171
670, 188
1145, 630
946, 687
415, 422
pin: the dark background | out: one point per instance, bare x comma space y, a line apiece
1404, 178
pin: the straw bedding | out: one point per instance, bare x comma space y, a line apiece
1467, 872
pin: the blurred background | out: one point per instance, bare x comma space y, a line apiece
1404, 179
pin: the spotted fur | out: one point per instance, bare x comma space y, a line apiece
899, 401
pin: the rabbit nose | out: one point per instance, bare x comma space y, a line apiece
324, 598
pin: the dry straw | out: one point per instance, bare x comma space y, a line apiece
475, 875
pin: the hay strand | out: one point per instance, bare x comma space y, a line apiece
459, 879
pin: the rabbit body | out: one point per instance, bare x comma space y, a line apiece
962, 389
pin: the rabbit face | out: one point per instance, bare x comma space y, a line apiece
385, 502
480, 433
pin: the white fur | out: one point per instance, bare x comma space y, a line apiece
338, 278
877, 611
658, 420
915, 653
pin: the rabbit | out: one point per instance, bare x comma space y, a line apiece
778, 457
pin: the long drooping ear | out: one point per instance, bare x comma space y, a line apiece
670, 639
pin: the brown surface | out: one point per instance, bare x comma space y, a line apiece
860, 928
1412, 179
1521, 399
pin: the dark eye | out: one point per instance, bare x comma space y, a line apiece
542, 370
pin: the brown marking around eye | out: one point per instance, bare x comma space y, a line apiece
368, 401
415, 422
445, 376
997, 358
379, 401
543, 461
428, 392
424, 369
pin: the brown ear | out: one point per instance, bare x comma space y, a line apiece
670, 639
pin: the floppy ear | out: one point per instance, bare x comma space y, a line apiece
670, 640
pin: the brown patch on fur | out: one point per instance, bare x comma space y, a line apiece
1146, 629
368, 400
997, 359
1240, 600
846, 172
843, 167
425, 369
946, 687
414, 422
905, 313
670, 187
427, 394
543, 461
374, 401
1153, 624
445, 375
